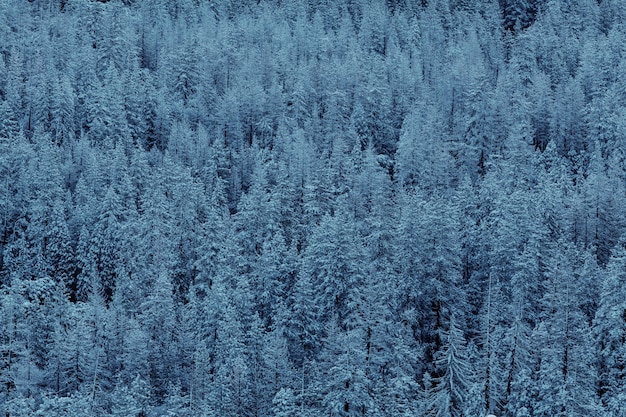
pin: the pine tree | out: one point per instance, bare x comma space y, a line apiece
449, 391
567, 374
345, 385
610, 333
133, 399
284, 403
159, 319
232, 383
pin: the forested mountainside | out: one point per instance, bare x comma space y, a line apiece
278, 208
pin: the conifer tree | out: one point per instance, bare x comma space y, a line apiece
610, 331
454, 375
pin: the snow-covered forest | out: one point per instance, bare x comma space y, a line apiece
280, 208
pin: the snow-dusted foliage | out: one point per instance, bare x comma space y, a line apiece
299, 208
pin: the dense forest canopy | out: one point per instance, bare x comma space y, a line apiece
274, 208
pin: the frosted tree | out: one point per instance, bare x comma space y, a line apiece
62, 112
104, 253
15, 156
601, 225
474, 116
131, 400
610, 331
72, 352
448, 390
284, 403
159, 319
566, 380
302, 328
567, 125
105, 117
116, 46
140, 105
231, 388
345, 385
423, 157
